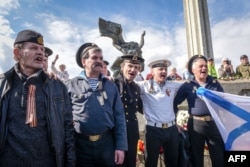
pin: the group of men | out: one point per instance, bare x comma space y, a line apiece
90, 120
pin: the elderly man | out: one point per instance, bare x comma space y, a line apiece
130, 95
157, 95
36, 127
100, 128
201, 126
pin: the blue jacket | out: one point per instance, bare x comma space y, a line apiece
90, 116
188, 91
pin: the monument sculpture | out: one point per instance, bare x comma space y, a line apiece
114, 31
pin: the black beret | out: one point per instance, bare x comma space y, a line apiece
191, 61
106, 62
160, 63
29, 36
48, 51
134, 59
243, 56
79, 53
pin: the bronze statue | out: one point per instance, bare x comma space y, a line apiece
114, 31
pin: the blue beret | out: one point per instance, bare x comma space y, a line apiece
29, 36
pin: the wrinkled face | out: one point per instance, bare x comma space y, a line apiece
45, 63
159, 74
199, 69
130, 70
104, 69
30, 57
93, 63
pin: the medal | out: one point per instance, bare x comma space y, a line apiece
168, 92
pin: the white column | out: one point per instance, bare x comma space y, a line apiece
199, 40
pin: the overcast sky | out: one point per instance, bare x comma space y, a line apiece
66, 24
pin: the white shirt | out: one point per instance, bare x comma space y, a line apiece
63, 76
158, 106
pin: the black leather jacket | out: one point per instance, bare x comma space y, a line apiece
58, 113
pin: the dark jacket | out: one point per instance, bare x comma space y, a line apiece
187, 91
130, 96
59, 117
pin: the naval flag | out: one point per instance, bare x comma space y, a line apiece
231, 114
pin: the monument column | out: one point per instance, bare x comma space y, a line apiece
199, 40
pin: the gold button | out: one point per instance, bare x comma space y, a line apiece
126, 106
126, 113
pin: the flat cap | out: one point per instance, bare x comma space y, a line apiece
194, 59
29, 36
243, 56
160, 63
134, 59
83, 50
48, 51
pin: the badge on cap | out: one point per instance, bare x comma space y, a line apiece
40, 40
135, 58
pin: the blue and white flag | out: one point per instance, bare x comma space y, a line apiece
231, 114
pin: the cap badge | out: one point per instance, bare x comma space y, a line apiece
134, 58
40, 40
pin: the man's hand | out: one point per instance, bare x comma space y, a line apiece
119, 157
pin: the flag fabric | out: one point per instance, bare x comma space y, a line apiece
231, 114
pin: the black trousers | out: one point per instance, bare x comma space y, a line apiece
95, 154
168, 138
133, 137
201, 132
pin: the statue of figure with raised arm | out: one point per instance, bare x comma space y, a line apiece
114, 31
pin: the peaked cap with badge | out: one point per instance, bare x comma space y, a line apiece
194, 59
29, 36
134, 59
160, 63
48, 52
83, 49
